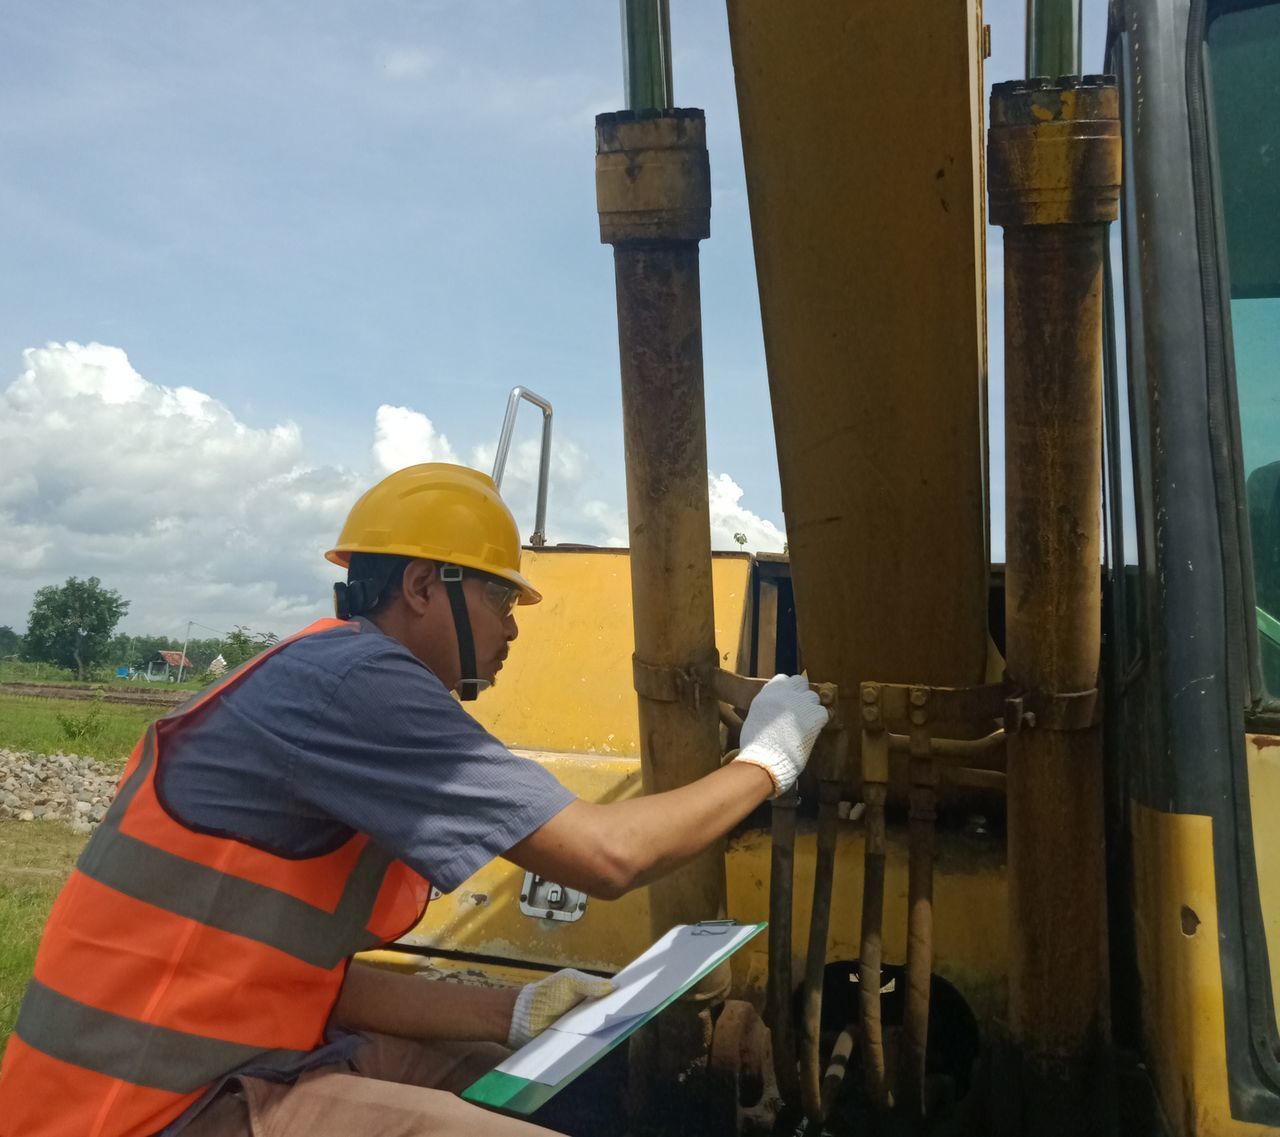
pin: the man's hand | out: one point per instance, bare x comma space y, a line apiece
781, 727
539, 1004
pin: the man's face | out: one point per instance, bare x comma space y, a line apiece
491, 603
422, 619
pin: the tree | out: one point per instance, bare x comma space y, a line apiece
10, 642
71, 625
243, 644
201, 653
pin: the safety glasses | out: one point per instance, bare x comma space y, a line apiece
500, 596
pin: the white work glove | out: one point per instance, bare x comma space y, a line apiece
539, 1004
781, 727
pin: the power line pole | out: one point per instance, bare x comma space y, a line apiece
182, 659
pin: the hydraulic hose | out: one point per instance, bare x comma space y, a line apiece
778, 995
815, 963
873, 1063
923, 821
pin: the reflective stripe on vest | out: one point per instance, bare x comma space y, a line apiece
134, 1052
186, 888
174, 957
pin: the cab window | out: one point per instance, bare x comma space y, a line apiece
1244, 87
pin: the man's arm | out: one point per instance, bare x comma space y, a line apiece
607, 850
411, 1006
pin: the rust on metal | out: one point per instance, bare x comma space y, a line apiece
1054, 175
653, 194
654, 199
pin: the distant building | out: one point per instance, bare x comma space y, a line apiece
166, 666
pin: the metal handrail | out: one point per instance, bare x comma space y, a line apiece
539, 537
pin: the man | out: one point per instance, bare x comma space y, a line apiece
195, 973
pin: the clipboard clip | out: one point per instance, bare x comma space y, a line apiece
713, 927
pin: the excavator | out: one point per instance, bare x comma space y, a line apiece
1030, 883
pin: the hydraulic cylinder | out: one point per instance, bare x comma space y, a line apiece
1053, 177
653, 190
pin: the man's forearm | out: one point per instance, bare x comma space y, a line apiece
411, 1006
609, 849
665, 830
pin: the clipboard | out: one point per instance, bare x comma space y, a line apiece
535, 1073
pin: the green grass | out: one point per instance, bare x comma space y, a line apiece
28, 723
35, 858
19, 671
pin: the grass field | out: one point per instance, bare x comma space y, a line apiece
35, 858
34, 724
18, 671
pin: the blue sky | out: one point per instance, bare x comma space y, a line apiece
305, 212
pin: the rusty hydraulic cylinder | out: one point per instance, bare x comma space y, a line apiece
1053, 176
653, 190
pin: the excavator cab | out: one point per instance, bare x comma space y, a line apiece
1032, 882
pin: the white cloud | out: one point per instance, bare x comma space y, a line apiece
729, 518
162, 493
404, 437
574, 514
192, 514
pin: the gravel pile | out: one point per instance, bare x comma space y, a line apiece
54, 787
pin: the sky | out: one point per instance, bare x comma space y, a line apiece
259, 254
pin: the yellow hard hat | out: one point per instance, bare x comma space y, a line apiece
440, 512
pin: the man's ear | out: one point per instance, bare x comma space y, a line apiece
416, 583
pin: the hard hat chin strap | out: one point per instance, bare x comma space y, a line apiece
468, 685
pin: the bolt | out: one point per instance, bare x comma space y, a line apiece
919, 696
869, 693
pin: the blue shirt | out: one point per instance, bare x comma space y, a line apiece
343, 732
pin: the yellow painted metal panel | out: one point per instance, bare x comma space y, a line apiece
861, 129
567, 684
1176, 914
1263, 753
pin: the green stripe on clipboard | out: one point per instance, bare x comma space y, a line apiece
502, 1091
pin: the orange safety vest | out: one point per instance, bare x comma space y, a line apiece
173, 957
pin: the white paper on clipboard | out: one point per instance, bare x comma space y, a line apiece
640, 989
